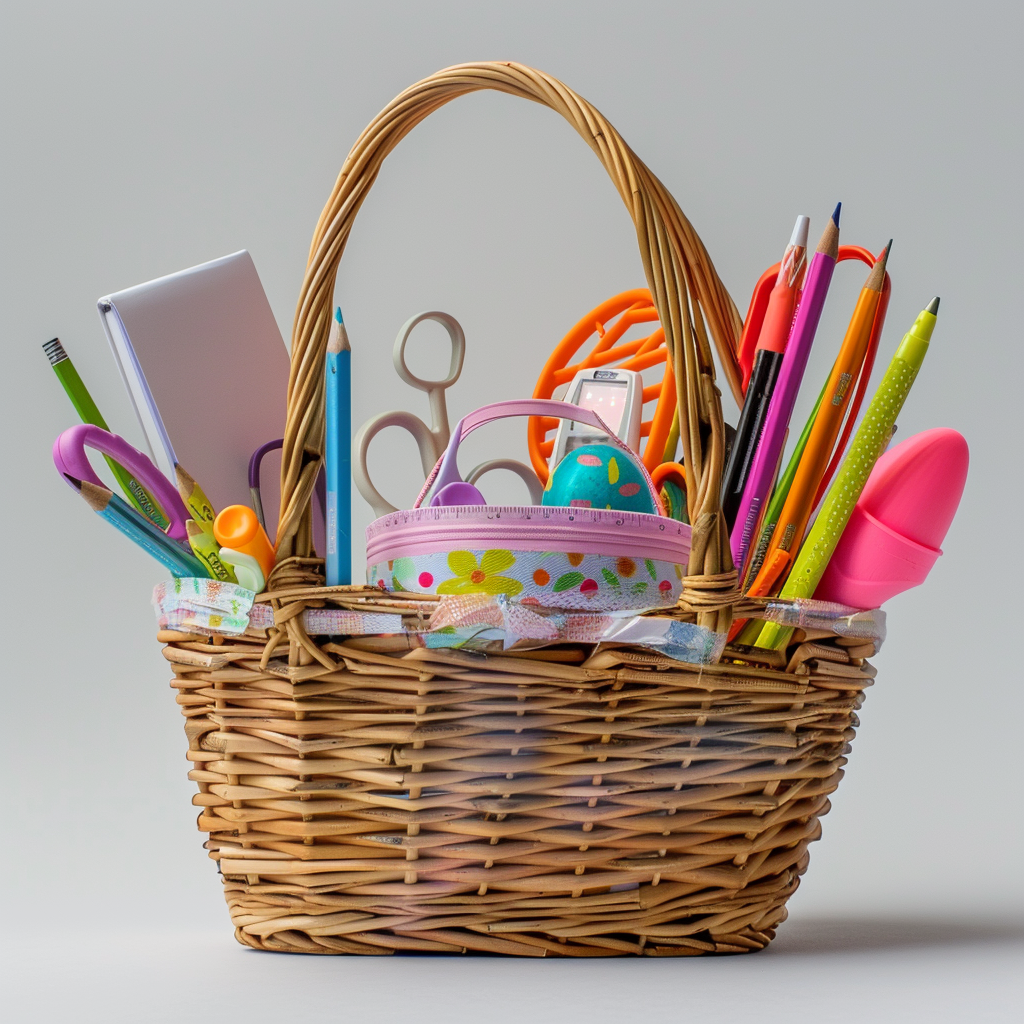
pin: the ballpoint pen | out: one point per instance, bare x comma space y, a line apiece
780, 409
771, 345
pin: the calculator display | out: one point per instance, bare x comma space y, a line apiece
605, 397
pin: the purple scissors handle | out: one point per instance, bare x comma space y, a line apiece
254, 480
70, 459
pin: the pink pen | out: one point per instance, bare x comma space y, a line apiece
780, 409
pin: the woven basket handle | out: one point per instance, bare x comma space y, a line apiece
686, 289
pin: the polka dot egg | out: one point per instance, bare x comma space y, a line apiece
599, 476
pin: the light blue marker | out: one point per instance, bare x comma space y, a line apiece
338, 453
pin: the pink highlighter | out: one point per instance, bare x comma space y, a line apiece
893, 537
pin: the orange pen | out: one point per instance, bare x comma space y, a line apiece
799, 503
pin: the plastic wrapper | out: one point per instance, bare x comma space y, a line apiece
485, 622
208, 606
836, 618
474, 620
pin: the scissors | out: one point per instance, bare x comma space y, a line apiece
255, 469
72, 463
433, 440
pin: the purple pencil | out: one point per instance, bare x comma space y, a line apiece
780, 409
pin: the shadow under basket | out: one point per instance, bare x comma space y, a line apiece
550, 802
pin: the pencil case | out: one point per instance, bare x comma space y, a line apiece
398, 787
565, 558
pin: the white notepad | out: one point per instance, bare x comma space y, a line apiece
207, 371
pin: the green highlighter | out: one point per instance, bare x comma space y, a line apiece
89, 413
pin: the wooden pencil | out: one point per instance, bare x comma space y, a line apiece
194, 496
137, 528
338, 453
771, 346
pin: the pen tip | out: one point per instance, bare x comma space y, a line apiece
883, 258
337, 315
800, 231
933, 306
835, 214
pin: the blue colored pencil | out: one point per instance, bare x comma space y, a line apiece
136, 527
338, 453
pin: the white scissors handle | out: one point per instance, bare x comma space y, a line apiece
426, 442
435, 389
431, 441
524, 472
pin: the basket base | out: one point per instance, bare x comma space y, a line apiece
387, 797
752, 942
637, 922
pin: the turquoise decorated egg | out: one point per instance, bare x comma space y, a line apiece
599, 476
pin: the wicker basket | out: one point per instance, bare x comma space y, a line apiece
367, 795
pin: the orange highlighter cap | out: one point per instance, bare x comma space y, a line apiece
237, 527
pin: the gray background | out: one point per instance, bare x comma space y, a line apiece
139, 140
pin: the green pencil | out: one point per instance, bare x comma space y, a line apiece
89, 413
867, 445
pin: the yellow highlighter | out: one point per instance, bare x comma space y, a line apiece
205, 547
200, 527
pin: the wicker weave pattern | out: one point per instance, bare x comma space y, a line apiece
447, 801
371, 795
